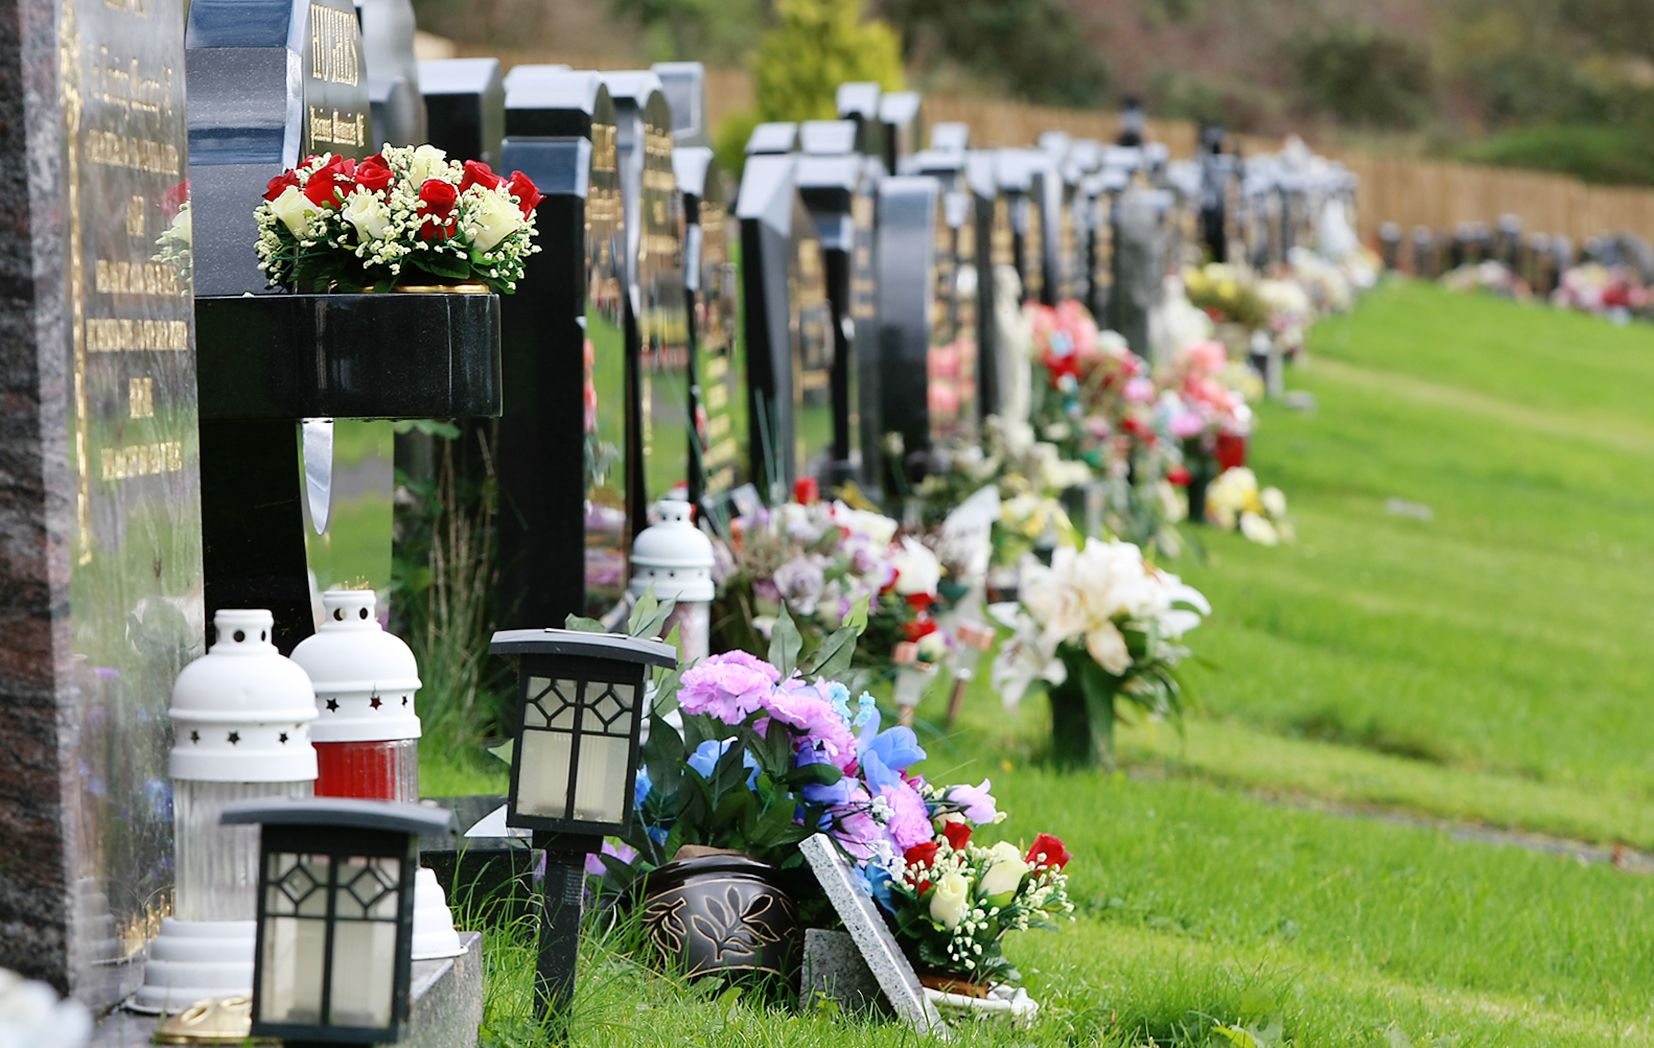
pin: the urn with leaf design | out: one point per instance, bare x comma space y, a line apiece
720, 913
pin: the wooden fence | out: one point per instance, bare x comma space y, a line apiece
1402, 189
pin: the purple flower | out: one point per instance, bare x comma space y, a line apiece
809, 709
978, 803
616, 849
727, 687
909, 822
856, 830
800, 582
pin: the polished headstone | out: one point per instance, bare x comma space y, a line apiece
838, 189
858, 102
657, 321
900, 114
1019, 181
564, 528
99, 488
465, 106
388, 27
950, 137
717, 353
786, 319
773, 138
685, 86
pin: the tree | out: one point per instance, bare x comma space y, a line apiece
815, 46
1035, 48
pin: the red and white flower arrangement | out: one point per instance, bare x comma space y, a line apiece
405, 215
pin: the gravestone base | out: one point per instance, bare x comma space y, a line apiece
834, 969
447, 1006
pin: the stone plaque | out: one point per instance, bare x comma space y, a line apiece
896, 978
99, 486
564, 531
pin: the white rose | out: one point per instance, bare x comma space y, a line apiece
493, 218
950, 899
1005, 870
368, 214
181, 226
876, 526
1107, 645
1051, 600
918, 570
294, 209
1259, 530
427, 162
1274, 502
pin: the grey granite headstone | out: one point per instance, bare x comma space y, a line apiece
1138, 267
100, 531
833, 968
891, 970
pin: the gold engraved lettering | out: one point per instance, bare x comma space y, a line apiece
140, 397
120, 277
333, 54
141, 460
137, 154
126, 334
134, 218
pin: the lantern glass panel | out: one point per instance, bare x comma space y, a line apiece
575, 750
549, 709
329, 922
217, 865
605, 749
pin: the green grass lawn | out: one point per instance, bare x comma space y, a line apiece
1488, 665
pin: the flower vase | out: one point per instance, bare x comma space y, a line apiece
723, 914
1082, 716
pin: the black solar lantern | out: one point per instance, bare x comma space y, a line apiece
581, 704
335, 916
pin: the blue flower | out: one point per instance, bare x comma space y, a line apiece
836, 794
705, 759
898, 747
641, 788
876, 879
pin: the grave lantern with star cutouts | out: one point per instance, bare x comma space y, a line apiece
241, 717
366, 732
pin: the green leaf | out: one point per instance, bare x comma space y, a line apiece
833, 658
785, 643
813, 775
642, 611
857, 618
584, 624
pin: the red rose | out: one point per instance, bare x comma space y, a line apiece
278, 185
330, 184
478, 173
920, 601
1055, 854
806, 492
374, 174
1178, 475
436, 202
921, 854
528, 195
919, 628
958, 834
1230, 451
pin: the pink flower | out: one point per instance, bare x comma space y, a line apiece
977, 801
1186, 424
727, 687
909, 822
615, 849
809, 708
1140, 390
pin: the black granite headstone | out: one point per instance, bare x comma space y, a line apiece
926, 326
1424, 253
657, 320
1024, 191
838, 187
717, 354
969, 243
996, 248
858, 103
465, 106
904, 130
564, 530
786, 320
99, 489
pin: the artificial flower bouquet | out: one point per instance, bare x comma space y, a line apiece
405, 215
1234, 501
951, 901
1596, 288
1228, 294
814, 562
1099, 626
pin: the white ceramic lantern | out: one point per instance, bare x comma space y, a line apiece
675, 558
367, 732
241, 715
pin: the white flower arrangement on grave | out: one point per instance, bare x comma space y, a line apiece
403, 216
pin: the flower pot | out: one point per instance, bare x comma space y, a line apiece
723, 914
1082, 720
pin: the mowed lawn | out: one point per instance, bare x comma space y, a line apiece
1489, 664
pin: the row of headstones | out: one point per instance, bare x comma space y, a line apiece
1539, 259
615, 371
